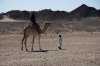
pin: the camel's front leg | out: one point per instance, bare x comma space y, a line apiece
39, 42
33, 43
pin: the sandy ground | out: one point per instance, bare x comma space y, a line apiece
79, 49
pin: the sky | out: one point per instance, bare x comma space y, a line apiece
36, 5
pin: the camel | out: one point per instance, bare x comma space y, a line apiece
33, 31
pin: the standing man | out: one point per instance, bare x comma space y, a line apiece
60, 42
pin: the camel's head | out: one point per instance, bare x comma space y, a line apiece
46, 25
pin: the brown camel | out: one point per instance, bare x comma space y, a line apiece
33, 31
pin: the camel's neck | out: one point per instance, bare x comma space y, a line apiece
45, 28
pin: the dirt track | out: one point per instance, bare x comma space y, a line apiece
79, 49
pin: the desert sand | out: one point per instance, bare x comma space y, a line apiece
79, 49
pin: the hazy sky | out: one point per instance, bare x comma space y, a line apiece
35, 5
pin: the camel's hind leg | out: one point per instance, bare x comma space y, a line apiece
25, 43
22, 43
25, 36
24, 32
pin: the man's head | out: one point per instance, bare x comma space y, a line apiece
59, 35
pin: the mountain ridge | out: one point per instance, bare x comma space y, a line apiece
47, 14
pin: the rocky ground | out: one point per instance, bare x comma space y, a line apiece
79, 49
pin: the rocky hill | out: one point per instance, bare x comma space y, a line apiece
48, 14
84, 11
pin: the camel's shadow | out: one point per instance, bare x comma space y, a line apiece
47, 50
40, 51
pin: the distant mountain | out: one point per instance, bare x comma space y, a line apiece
48, 14
17, 14
1, 16
84, 11
99, 11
